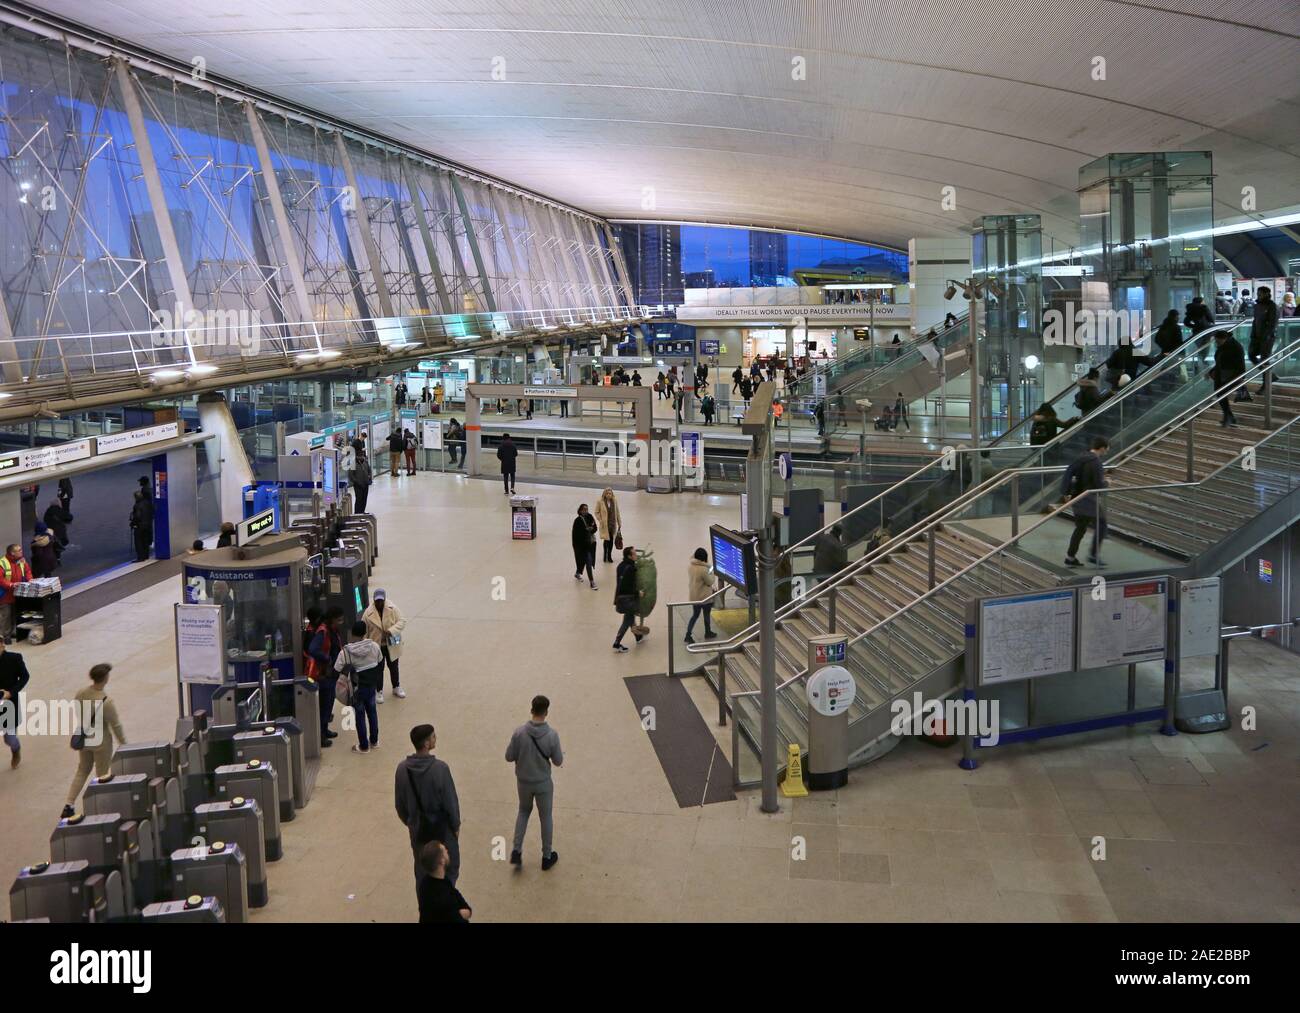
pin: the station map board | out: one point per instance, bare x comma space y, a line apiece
1026, 636
1128, 625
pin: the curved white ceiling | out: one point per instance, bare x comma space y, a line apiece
695, 110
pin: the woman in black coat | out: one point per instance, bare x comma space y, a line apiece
44, 555
584, 545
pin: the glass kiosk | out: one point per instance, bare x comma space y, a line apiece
259, 589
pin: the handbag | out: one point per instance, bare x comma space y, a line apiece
624, 603
426, 829
345, 691
79, 738
618, 540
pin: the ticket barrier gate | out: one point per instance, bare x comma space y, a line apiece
110, 845
154, 759
280, 748
306, 710
255, 780
293, 707
52, 891
358, 531
218, 870
371, 527
143, 799
313, 530
238, 821
346, 586
201, 910
353, 546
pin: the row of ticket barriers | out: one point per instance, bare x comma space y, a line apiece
178, 831
184, 830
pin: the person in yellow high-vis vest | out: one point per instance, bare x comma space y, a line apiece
13, 570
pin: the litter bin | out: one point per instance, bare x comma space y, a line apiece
830, 690
523, 517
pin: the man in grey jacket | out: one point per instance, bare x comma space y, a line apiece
535, 748
434, 813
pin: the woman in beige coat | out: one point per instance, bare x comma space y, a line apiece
384, 625
610, 522
702, 586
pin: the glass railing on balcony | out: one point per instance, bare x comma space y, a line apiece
240, 341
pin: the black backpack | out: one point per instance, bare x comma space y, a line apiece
427, 828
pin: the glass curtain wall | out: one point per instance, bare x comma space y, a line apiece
664, 259
288, 227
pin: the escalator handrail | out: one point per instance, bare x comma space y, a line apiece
906, 348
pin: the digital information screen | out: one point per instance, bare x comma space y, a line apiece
734, 558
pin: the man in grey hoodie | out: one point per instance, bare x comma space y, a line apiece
535, 748
425, 797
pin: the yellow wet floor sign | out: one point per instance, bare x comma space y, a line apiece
793, 786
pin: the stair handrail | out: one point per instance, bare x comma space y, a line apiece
1253, 372
1173, 360
1067, 504
863, 562
1232, 462
1177, 357
995, 482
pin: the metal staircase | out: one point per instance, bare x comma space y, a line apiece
1180, 485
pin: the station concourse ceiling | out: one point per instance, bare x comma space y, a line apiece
846, 117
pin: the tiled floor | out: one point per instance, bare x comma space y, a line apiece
1194, 827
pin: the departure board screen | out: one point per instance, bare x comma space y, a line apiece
733, 558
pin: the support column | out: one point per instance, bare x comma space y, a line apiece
227, 448
426, 237
288, 252
179, 280
525, 282
620, 267
376, 265
571, 266
608, 282
10, 361
472, 239
473, 432
1159, 304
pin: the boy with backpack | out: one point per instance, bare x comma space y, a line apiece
362, 664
